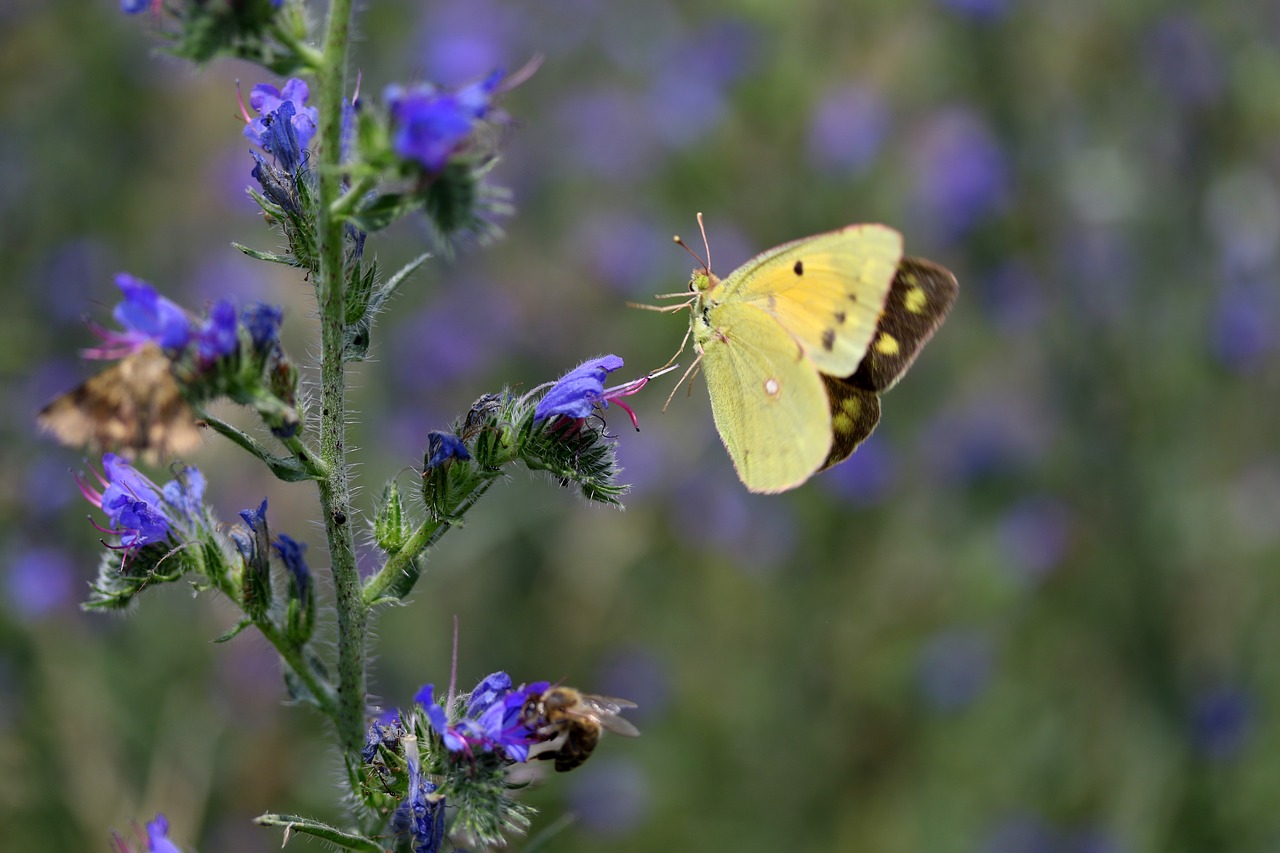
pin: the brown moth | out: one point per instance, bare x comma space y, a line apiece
135, 407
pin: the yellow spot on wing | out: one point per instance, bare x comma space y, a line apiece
887, 344
915, 300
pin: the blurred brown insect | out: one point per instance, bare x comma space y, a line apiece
571, 723
134, 406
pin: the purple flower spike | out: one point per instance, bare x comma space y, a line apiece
429, 124
263, 322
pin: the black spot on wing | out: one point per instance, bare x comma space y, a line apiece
841, 317
798, 268
828, 339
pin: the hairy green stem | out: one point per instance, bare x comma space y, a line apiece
398, 575
304, 465
335, 488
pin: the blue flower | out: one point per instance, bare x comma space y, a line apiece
217, 337
443, 447
280, 112
429, 124
133, 7
492, 719
1221, 719
139, 511
158, 836
419, 815
291, 554
961, 169
847, 130
263, 322
577, 394
147, 318
252, 543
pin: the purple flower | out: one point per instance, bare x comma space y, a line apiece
133, 7
847, 130
429, 124
612, 797
577, 394
1035, 536
297, 120
158, 836
1220, 722
1183, 59
492, 718
138, 511
263, 322
147, 318
443, 447
420, 816
954, 668
157, 840
39, 581
217, 337
1245, 325
291, 554
978, 10
962, 176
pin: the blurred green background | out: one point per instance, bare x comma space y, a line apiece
1036, 613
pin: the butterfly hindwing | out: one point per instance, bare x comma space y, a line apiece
827, 291
769, 405
855, 412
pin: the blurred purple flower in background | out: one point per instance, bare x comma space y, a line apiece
1221, 721
611, 796
1246, 324
621, 250
847, 129
608, 132
995, 434
39, 580
690, 76
1013, 295
977, 10
954, 668
1183, 61
450, 339
711, 514
641, 675
1029, 833
867, 477
1035, 535
465, 39
962, 177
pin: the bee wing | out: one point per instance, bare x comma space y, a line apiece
605, 709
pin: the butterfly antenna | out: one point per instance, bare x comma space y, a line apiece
688, 374
685, 246
705, 244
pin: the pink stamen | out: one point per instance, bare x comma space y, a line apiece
635, 422
240, 100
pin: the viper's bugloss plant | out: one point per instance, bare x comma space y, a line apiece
327, 169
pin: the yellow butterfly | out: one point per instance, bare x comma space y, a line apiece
799, 342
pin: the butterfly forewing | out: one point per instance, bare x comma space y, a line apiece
827, 291
767, 399
918, 302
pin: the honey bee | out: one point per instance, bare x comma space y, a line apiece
569, 724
